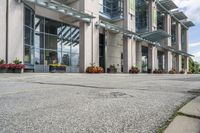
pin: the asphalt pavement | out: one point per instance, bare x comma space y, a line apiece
92, 103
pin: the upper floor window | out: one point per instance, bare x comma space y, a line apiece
142, 16
112, 9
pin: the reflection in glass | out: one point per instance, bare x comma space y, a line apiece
28, 54
39, 24
52, 57
53, 27
28, 36
66, 59
52, 42
39, 40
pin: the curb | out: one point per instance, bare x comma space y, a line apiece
187, 119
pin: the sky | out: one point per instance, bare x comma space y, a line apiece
192, 9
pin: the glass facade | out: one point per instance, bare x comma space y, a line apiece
142, 16
173, 32
50, 42
112, 9
160, 20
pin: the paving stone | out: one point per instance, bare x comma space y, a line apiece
183, 124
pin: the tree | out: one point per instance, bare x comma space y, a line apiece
194, 67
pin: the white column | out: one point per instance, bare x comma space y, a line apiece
139, 55
152, 58
168, 54
15, 31
152, 50
129, 45
89, 36
178, 57
186, 59
3, 29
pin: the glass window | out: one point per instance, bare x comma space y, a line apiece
39, 24
28, 55
66, 59
74, 59
52, 57
28, 38
53, 42
142, 15
39, 40
53, 27
39, 56
29, 17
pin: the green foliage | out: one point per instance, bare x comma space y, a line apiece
17, 61
194, 67
2, 61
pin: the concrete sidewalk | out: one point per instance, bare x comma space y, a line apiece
187, 120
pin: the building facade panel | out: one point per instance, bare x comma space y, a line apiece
3, 25
82, 33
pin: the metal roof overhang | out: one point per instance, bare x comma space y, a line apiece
155, 36
188, 23
62, 8
133, 35
179, 15
162, 6
168, 4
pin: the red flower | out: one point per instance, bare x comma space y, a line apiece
4, 66
19, 66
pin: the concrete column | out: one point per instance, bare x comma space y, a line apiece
178, 57
89, 36
3, 29
129, 45
152, 58
186, 59
15, 31
152, 15
186, 64
152, 50
114, 49
139, 55
168, 54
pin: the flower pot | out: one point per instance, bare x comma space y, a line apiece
10, 70
57, 69
17, 70
3, 70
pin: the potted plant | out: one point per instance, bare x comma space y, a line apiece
172, 71
94, 69
134, 70
112, 69
158, 71
57, 68
16, 67
182, 71
2, 66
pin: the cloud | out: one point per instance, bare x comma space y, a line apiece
195, 44
196, 57
191, 8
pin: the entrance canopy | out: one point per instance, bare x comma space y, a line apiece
179, 15
133, 35
168, 4
62, 8
155, 36
188, 23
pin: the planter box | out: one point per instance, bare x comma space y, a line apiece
17, 70
111, 70
56, 69
3, 70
